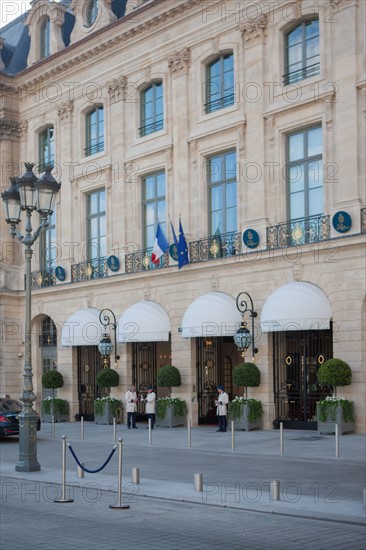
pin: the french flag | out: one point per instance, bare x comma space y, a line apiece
161, 245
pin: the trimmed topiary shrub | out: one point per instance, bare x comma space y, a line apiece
107, 378
334, 373
51, 380
168, 376
246, 374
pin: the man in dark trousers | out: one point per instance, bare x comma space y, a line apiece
221, 408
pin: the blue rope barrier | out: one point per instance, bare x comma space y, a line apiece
86, 469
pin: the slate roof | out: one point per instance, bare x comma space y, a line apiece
17, 41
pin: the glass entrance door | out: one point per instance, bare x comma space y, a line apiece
297, 355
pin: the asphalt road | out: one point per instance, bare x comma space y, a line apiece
31, 519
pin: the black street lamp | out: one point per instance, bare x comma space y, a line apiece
105, 346
29, 193
243, 338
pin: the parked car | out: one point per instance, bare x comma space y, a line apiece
9, 412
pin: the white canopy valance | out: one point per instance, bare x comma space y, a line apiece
213, 314
83, 328
296, 306
145, 321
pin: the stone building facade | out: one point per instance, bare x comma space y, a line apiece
243, 122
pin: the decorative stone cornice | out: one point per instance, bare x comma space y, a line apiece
10, 128
65, 110
254, 29
179, 60
117, 89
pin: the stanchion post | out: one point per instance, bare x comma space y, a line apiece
336, 441
63, 482
364, 499
275, 490
198, 483
233, 435
281, 439
189, 433
150, 434
80, 471
114, 430
82, 428
119, 505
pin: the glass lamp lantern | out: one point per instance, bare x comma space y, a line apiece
11, 201
105, 347
243, 339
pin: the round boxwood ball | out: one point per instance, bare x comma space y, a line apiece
52, 379
334, 372
107, 378
246, 374
168, 376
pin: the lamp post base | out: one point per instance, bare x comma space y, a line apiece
27, 444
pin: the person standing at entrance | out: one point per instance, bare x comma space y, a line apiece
150, 405
221, 408
131, 406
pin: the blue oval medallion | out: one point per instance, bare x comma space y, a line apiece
251, 238
60, 273
342, 221
113, 263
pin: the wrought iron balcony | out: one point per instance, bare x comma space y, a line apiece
363, 221
47, 340
301, 74
97, 268
43, 278
214, 247
141, 261
298, 232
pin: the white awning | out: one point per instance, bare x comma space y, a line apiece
144, 322
213, 314
296, 306
83, 328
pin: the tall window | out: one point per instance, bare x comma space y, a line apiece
91, 12
152, 109
154, 206
96, 225
94, 131
45, 38
302, 52
220, 83
47, 245
221, 177
46, 148
304, 171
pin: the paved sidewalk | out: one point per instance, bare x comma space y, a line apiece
314, 483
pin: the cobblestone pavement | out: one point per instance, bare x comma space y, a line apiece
31, 519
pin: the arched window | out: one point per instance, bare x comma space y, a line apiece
152, 109
46, 148
220, 83
94, 134
45, 38
302, 58
91, 13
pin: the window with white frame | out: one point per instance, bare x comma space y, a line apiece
153, 206
48, 245
152, 109
94, 131
222, 192
45, 38
46, 145
219, 83
305, 173
302, 55
96, 225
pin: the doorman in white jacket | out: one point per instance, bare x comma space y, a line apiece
221, 408
131, 406
150, 401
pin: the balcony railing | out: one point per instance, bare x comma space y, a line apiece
94, 148
220, 103
363, 221
47, 340
298, 232
141, 261
43, 278
96, 268
151, 128
301, 74
214, 247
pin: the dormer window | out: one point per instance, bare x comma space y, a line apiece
91, 12
45, 38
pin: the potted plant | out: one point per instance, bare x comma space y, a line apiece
106, 407
335, 410
51, 406
170, 412
246, 413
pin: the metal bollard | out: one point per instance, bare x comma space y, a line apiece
364, 499
275, 490
198, 483
82, 428
119, 505
80, 471
63, 482
233, 435
336, 441
189, 433
52, 426
136, 476
150, 434
281, 439
114, 430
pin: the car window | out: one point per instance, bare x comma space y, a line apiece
9, 405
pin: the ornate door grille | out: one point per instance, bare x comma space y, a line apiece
143, 369
89, 364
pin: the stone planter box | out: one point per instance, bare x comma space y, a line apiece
106, 418
243, 423
169, 420
328, 427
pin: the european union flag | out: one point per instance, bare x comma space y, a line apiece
182, 248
